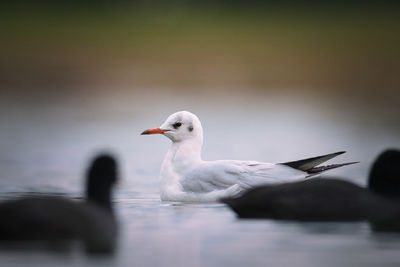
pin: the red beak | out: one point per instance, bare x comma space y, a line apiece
154, 131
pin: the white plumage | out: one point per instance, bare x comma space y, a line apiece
186, 177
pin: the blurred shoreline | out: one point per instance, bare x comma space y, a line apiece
337, 51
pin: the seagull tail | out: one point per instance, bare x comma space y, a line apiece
308, 164
317, 170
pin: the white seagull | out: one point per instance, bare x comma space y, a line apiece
186, 177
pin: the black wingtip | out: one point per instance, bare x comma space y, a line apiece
309, 163
336, 153
318, 170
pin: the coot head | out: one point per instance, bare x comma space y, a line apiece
101, 176
384, 177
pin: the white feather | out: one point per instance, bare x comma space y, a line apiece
186, 177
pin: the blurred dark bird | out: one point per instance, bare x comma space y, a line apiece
328, 199
59, 219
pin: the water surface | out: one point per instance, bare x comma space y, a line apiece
46, 144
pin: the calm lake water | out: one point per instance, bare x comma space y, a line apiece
47, 142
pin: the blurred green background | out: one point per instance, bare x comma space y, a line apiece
348, 49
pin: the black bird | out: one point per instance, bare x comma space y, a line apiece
328, 199
59, 219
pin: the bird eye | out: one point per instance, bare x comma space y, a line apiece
177, 125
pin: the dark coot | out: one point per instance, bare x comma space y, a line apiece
322, 199
59, 219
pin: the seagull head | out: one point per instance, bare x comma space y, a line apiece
180, 126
